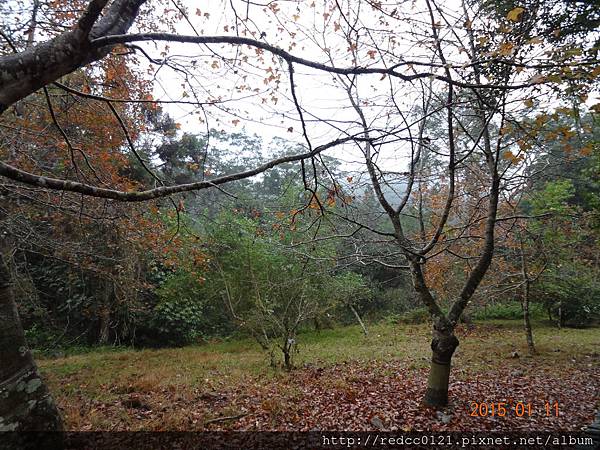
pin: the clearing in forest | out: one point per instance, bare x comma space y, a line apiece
343, 381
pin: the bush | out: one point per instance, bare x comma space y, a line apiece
571, 295
413, 317
178, 316
576, 311
506, 311
41, 338
397, 300
177, 321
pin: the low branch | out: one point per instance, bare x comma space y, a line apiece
22, 176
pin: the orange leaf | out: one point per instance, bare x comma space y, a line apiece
515, 14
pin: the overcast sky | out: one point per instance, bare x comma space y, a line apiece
326, 108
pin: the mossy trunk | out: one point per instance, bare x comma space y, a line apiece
443, 345
25, 403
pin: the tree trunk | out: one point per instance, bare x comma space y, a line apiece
287, 360
104, 327
317, 324
287, 348
104, 334
560, 315
528, 332
525, 302
362, 324
527, 321
25, 403
443, 345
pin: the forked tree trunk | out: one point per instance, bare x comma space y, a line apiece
443, 345
25, 403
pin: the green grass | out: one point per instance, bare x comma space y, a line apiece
240, 358
106, 376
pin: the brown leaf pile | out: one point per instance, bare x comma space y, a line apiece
387, 396
361, 396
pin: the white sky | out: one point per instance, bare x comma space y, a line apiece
306, 31
325, 102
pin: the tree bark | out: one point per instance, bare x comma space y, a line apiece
443, 345
287, 361
560, 315
25, 72
25, 403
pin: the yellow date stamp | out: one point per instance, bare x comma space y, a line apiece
515, 409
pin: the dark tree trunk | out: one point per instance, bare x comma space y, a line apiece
104, 334
317, 324
443, 345
104, 327
528, 332
527, 320
287, 360
25, 403
525, 302
287, 353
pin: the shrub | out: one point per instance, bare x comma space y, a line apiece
506, 311
395, 300
177, 321
178, 316
571, 294
41, 338
414, 316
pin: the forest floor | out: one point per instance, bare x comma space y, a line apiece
343, 381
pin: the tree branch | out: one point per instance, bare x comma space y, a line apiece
22, 176
236, 40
